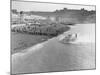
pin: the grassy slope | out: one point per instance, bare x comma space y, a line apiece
21, 41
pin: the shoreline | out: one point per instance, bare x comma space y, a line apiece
57, 37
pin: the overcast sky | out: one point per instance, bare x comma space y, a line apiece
34, 6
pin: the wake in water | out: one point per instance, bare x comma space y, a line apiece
84, 39
81, 39
85, 33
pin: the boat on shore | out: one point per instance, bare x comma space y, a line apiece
67, 39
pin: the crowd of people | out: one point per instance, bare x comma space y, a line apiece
49, 30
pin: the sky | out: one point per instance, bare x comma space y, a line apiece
37, 6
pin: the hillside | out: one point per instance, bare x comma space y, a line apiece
68, 15
64, 15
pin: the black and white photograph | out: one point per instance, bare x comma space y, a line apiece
52, 37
